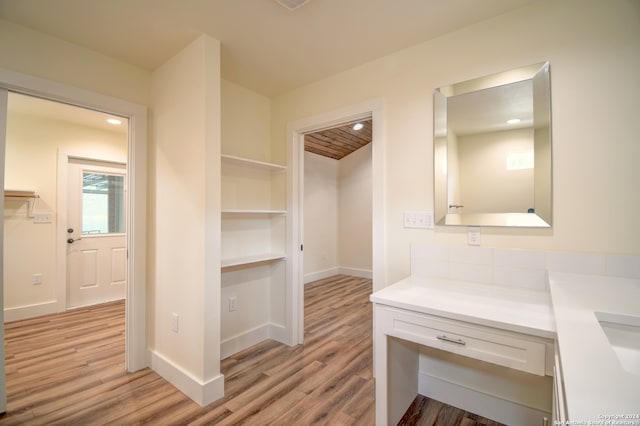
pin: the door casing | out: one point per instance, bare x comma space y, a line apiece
294, 294
136, 352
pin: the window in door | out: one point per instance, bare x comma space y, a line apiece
102, 203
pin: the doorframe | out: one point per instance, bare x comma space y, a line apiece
64, 157
136, 354
294, 293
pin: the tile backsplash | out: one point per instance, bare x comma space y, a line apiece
514, 267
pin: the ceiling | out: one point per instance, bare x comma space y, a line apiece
340, 141
264, 46
29, 105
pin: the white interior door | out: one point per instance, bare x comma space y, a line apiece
96, 234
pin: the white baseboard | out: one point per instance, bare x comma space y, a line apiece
355, 272
482, 404
201, 392
320, 275
338, 270
31, 311
251, 337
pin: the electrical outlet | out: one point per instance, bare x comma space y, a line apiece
36, 279
174, 322
233, 303
473, 235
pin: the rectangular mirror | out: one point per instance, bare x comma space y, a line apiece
492, 150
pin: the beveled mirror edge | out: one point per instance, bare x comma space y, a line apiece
441, 214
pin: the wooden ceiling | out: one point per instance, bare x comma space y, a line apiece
338, 142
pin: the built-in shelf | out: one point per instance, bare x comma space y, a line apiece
257, 212
246, 162
14, 193
249, 260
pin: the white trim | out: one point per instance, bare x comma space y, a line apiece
338, 270
320, 275
356, 272
249, 338
294, 295
136, 354
480, 403
201, 392
30, 311
3, 133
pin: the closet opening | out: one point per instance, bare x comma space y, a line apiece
337, 201
369, 261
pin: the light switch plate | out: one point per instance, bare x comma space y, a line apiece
418, 219
43, 218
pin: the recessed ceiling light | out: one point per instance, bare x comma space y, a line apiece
292, 4
513, 121
358, 126
114, 121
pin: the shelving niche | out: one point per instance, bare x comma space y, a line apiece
253, 266
253, 212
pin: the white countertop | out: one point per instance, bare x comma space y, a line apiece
596, 385
518, 310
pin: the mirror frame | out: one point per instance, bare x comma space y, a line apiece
539, 74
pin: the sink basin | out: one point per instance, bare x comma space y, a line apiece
623, 333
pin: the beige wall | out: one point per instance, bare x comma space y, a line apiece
185, 227
354, 211
34, 53
320, 214
31, 160
337, 214
590, 44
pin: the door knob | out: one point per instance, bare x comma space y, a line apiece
69, 230
71, 240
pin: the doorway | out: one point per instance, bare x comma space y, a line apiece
96, 232
373, 109
135, 318
337, 201
39, 133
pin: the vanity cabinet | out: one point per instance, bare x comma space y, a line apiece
500, 347
253, 212
559, 403
470, 346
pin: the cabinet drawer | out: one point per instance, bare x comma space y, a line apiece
496, 346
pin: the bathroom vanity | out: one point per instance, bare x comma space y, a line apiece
490, 349
598, 348
494, 351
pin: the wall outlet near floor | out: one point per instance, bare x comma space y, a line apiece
36, 279
174, 322
473, 235
233, 303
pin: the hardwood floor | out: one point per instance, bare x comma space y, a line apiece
69, 369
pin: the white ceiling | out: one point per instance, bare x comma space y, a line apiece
32, 106
265, 47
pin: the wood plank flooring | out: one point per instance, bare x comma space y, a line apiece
69, 369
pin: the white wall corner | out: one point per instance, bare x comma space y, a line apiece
202, 392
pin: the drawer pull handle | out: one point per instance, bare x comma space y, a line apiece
451, 340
